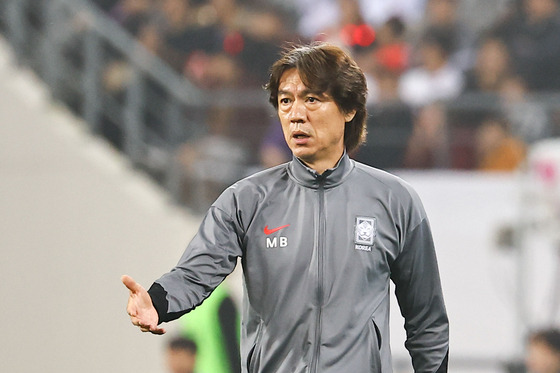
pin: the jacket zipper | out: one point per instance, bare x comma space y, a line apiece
320, 235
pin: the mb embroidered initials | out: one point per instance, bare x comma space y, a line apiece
365, 232
274, 242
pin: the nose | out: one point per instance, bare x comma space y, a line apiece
297, 111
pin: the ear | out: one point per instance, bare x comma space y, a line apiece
349, 116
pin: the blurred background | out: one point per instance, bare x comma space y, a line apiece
122, 120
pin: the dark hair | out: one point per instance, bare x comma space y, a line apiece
396, 25
551, 337
440, 37
182, 343
326, 68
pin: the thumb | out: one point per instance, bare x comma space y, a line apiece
132, 285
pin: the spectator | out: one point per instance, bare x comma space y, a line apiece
496, 148
246, 41
212, 162
317, 15
480, 96
180, 354
543, 352
379, 11
262, 38
533, 38
443, 15
388, 60
436, 78
528, 117
428, 146
491, 67
182, 35
212, 71
393, 51
214, 327
350, 31
132, 14
389, 125
480, 15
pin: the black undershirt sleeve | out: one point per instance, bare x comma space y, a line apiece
159, 300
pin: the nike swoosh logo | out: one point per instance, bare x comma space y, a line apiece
270, 231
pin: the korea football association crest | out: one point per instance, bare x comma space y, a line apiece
365, 232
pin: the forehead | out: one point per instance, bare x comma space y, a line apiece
291, 82
290, 79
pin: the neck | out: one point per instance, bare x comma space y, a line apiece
322, 165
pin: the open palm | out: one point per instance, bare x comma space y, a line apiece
140, 308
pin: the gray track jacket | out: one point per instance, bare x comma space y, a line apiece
318, 252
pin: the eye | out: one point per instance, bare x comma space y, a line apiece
312, 99
284, 100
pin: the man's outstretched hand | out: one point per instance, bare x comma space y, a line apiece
140, 308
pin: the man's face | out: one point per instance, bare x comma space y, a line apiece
541, 358
180, 361
313, 124
538, 10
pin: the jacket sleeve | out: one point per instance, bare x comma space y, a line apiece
419, 294
208, 259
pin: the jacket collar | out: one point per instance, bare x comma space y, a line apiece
330, 178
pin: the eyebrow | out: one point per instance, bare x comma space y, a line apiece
304, 93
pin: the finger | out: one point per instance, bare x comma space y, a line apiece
152, 329
135, 321
157, 330
132, 285
131, 308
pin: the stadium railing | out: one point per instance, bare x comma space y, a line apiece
70, 43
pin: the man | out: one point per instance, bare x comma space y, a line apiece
180, 355
319, 239
214, 327
543, 351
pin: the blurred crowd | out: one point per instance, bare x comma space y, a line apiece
461, 84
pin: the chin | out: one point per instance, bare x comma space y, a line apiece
302, 154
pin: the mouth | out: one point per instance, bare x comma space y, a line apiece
300, 138
300, 135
